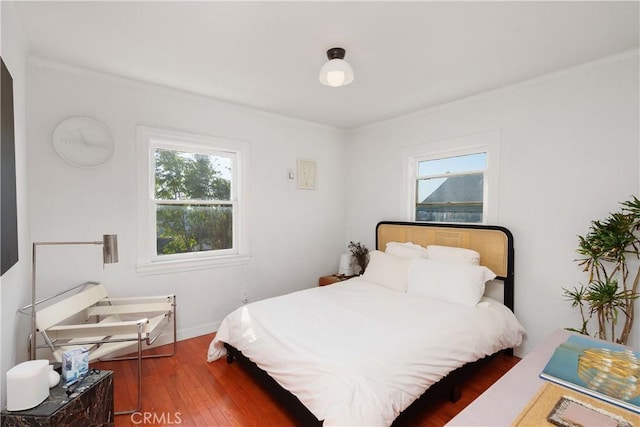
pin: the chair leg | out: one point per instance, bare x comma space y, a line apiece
139, 404
139, 358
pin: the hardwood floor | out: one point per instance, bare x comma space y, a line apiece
187, 390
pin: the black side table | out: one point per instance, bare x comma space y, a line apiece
90, 406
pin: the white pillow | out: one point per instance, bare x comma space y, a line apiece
388, 270
450, 253
407, 250
448, 281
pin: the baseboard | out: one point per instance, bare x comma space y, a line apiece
208, 328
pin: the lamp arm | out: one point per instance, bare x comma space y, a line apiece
32, 349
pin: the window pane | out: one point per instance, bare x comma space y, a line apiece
454, 199
470, 162
193, 228
190, 176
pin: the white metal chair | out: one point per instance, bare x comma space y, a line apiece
85, 316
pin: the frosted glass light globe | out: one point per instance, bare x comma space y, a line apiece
336, 73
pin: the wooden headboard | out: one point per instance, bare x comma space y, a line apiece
494, 243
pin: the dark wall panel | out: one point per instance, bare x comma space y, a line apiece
8, 208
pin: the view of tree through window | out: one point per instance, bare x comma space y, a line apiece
194, 208
451, 189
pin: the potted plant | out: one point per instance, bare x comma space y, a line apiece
611, 289
359, 256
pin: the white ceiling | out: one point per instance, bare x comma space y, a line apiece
406, 55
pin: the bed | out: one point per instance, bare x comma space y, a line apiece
361, 351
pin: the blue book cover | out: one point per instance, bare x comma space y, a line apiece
600, 369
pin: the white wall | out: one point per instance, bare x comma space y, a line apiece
295, 235
15, 283
569, 152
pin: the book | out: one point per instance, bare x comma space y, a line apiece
604, 370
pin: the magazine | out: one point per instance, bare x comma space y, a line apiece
601, 369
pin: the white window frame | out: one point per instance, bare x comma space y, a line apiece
484, 142
148, 140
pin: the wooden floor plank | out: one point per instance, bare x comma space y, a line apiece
187, 390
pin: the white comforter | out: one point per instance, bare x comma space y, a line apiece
355, 353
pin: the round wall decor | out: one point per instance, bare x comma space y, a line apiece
83, 142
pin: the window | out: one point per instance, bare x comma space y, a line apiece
451, 189
191, 205
454, 180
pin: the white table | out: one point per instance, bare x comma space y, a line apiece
501, 403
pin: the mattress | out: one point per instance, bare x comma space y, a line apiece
356, 353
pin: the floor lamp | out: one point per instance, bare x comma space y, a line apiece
109, 244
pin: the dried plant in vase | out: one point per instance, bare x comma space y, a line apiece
359, 256
605, 250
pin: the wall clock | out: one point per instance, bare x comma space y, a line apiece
83, 142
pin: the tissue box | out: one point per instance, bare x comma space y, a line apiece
27, 385
75, 364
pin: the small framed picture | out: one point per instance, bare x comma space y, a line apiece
306, 174
569, 412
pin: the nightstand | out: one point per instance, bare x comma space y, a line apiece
334, 278
91, 405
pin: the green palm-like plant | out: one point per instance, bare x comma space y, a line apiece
577, 297
604, 250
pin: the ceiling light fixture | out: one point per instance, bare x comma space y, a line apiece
336, 72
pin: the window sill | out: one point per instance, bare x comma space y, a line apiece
176, 266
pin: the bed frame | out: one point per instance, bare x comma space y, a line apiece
495, 245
